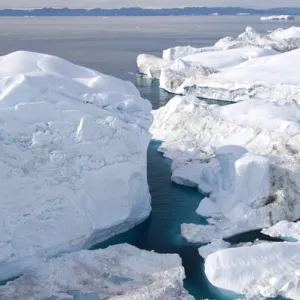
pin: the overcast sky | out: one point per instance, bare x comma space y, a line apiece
146, 3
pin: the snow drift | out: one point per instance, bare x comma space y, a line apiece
73, 158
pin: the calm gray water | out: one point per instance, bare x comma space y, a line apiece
111, 45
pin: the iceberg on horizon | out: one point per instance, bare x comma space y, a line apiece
278, 17
73, 158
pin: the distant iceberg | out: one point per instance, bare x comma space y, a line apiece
73, 158
278, 17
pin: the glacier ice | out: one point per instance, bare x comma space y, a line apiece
73, 146
118, 272
243, 156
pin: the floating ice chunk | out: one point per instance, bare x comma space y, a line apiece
73, 146
265, 269
151, 65
118, 272
285, 230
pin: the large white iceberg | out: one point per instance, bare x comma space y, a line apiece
278, 17
244, 156
73, 146
120, 272
269, 77
264, 269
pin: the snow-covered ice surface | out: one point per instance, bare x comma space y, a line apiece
265, 269
278, 17
73, 146
118, 272
244, 156
285, 230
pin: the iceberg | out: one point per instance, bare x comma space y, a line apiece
228, 70
243, 156
151, 65
286, 230
259, 78
278, 17
73, 158
120, 272
281, 40
185, 66
261, 270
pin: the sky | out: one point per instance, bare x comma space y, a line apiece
145, 3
